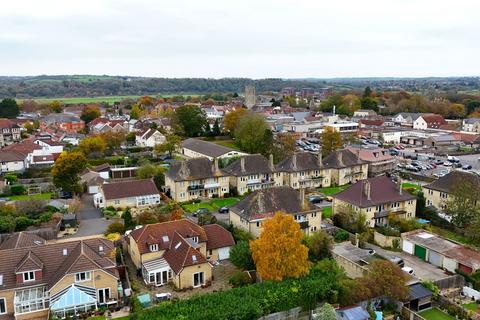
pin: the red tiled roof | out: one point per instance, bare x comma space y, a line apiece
181, 254
218, 237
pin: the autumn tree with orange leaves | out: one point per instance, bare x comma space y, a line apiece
278, 252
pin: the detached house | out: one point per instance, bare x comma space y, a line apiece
196, 178
131, 193
178, 251
439, 191
149, 138
376, 198
9, 132
429, 121
250, 213
38, 280
304, 170
345, 167
253, 172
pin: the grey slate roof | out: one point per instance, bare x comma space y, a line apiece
265, 202
253, 164
204, 147
382, 190
418, 291
301, 161
193, 169
342, 159
448, 182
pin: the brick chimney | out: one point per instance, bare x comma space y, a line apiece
366, 189
294, 161
215, 165
302, 197
340, 157
400, 189
242, 164
320, 159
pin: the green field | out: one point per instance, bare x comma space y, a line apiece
471, 306
212, 205
39, 196
435, 314
329, 191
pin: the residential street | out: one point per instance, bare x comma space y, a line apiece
90, 219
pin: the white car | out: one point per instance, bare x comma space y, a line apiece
447, 164
408, 270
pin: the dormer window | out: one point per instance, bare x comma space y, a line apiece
28, 276
195, 239
83, 276
153, 247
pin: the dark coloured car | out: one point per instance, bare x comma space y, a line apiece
200, 211
316, 198
65, 195
224, 210
466, 167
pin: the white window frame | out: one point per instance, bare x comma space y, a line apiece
29, 276
4, 305
88, 276
193, 279
104, 290
154, 247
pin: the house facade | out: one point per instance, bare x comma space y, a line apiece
131, 194
441, 190
149, 138
345, 167
379, 160
196, 178
253, 172
376, 198
304, 170
178, 252
250, 213
9, 132
63, 279
429, 121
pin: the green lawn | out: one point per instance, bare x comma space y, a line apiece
103, 318
326, 212
228, 143
329, 191
408, 185
39, 196
212, 205
435, 314
471, 306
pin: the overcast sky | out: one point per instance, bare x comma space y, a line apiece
245, 38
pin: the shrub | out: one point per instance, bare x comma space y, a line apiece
17, 189
241, 256
115, 227
341, 236
240, 279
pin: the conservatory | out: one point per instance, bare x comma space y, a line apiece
156, 272
30, 300
74, 299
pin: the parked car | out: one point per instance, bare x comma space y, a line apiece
466, 167
65, 195
398, 261
408, 270
447, 164
438, 161
200, 211
317, 198
224, 210
453, 159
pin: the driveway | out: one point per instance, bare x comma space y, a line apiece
90, 219
423, 270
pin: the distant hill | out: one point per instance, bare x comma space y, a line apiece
57, 86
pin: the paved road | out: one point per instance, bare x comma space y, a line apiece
90, 219
422, 269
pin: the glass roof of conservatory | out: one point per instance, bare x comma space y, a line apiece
73, 296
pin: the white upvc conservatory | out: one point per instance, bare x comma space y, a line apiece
30, 300
156, 272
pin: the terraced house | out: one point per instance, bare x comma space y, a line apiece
38, 279
250, 213
253, 172
441, 190
196, 178
304, 170
376, 198
178, 252
345, 167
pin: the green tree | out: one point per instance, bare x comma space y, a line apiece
148, 171
55, 106
128, 220
369, 103
331, 141
319, 245
251, 133
367, 92
90, 113
241, 256
326, 312
67, 169
190, 121
92, 146
216, 129
231, 119
7, 224
171, 144
462, 203
334, 100
9, 108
